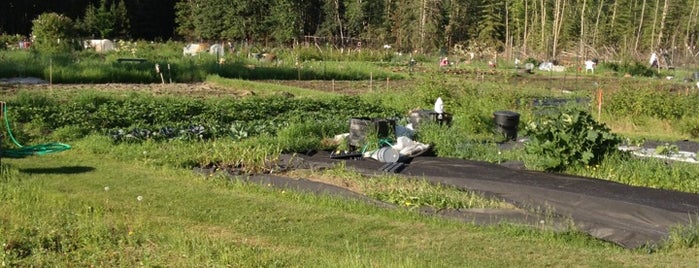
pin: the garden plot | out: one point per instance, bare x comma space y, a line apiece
22, 80
629, 216
662, 153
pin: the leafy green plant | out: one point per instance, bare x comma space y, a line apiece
637, 142
568, 138
634, 68
667, 149
40, 112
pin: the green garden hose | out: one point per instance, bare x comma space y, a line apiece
24, 151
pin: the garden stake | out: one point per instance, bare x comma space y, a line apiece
157, 70
169, 74
2, 108
51, 74
599, 104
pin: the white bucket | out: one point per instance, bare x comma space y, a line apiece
387, 155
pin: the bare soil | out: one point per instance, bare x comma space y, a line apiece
210, 89
346, 87
191, 89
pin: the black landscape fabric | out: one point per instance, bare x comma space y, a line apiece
475, 216
626, 215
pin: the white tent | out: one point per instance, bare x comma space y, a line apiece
216, 49
193, 49
100, 45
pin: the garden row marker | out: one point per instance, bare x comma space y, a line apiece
2, 114
599, 104
157, 70
169, 74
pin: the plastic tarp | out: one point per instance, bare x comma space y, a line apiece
626, 215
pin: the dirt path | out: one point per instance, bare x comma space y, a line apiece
175, 89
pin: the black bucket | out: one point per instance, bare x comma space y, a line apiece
506, 123
361, 127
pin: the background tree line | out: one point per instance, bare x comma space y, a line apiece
148, 19
517, 28
542, 28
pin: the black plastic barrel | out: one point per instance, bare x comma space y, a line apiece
419, 117
362, 127
506, 123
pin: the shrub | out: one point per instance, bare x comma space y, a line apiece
7, 41
634, 68
53, 33
638, 101
689, 126
568, 138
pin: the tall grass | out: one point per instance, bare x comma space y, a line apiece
684, 236
20, 64
92, 67
266, 89
645, 172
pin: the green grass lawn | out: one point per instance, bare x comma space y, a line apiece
78, 208
133, 204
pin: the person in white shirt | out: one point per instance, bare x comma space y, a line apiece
653, 60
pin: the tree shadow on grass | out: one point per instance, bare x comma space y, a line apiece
58, 170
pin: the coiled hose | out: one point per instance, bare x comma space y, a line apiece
24, 151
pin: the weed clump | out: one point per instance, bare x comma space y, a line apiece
571, 138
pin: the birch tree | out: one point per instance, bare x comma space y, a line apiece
558, 18
663, 18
